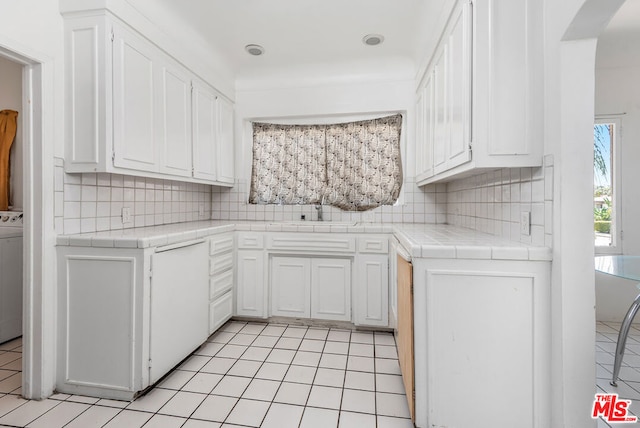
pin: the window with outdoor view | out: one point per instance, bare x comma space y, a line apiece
606, 217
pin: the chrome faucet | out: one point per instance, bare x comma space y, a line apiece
319, 208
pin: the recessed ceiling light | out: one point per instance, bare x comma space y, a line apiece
255, 50
372, 39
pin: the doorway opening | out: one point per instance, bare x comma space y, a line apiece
31, 176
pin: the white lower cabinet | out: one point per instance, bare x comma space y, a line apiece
306, 287
127, 316
250, 284
220, 280
482, 330
290, 287
371, 306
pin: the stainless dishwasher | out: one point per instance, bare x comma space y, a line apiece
179, 304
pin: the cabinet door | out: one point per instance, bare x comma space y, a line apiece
290, 283
427, 127
331, 289
226, 159
134, 74
372, 298
251, 283
204, 132
459, 89
174, 122
440, 116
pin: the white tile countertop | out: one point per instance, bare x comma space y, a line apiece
420, 240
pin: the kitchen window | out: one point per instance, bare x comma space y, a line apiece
606, 186
354, 166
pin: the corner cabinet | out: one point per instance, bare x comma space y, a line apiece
482, 330
133, 109
479, 103
132, 313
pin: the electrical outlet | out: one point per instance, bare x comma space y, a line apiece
201, 210
525, 223
126, 215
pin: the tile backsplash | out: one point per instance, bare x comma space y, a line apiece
492, 202
416, 205
93, 202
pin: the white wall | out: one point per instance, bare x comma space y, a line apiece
320, 101
618, 91
11, 99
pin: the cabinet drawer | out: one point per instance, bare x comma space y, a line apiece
220, 263
373, 244
220, 283
311, 242
250, 240
220, 244
220, 311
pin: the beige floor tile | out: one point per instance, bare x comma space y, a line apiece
248, 413
215, 408
152, 401
129, 419
28, 412
182, 404
94, 417
319, 418
60, 415
282, 416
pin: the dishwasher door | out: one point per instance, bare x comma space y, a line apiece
405, 329
179, 305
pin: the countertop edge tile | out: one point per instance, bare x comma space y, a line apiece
438, 251
509, 253
420, 240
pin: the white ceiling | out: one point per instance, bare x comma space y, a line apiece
303, 34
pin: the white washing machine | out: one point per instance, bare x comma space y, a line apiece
10, 275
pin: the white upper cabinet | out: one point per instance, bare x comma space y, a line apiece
213, 155
480, 96
225, 141
135, 141
131, 108
174, 106
204, 132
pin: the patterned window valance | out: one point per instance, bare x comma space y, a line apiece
354, 166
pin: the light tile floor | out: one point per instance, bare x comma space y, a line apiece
246, 375
629, 378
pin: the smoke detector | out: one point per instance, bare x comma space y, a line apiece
372, 39
255, 50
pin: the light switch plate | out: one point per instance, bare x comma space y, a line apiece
525, 223
126, 215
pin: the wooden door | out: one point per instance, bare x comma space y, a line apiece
405, 330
